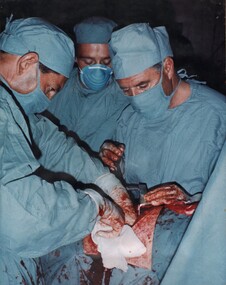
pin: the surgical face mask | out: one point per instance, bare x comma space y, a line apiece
152, 103
95, 77
33, 102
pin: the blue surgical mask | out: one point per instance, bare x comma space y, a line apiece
152, 103
95, 77
33, 102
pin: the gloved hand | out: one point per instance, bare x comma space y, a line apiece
113, 187
174, 197
110, 154
110, 216
181, 207
166, 194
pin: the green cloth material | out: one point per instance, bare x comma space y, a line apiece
137, 47
54, 47
94, 30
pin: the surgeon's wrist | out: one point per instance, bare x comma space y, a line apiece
108, 182
96, 198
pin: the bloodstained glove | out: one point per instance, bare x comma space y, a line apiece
174, 197
111, 153
113, 187
111, 218
165, 194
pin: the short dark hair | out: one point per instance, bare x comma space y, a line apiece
45, 69
157, 66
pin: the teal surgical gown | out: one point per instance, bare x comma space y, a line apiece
183, 145
201, 256
36, 216
91, 115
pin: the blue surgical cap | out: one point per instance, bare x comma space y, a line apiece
54, 47
94, 30
163, 42
137, 47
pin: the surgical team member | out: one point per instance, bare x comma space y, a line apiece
36, 58
91, 100
173, 130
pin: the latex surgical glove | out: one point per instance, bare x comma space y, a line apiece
114, 188
165, 194
181, 207
111, 218
111, 153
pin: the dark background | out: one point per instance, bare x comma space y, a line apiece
196, 27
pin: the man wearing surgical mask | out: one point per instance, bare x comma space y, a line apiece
38, 216
173, 130
91, 101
